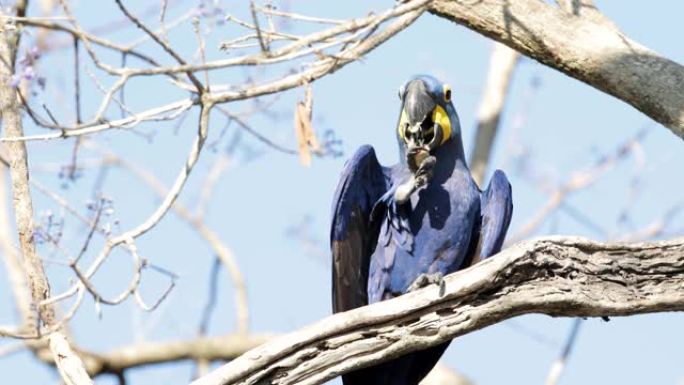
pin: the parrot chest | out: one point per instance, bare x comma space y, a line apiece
439, 220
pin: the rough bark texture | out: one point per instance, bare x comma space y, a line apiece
68, 363
21, 198
558, 276
590, 49
13, 262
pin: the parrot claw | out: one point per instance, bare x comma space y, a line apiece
425, 171
426, 279
421, 177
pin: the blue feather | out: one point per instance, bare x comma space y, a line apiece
445, 226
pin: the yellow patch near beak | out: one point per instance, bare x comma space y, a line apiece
440, 117
402, 122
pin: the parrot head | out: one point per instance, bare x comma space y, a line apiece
427, 120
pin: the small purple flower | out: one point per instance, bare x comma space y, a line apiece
29, 73
38, 235
210, 9
26, 69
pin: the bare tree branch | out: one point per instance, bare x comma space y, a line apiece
586, 9
405, 15
558, 276
221, 348
162, 43
223, 252
13, 265
578, 180
68, 363
587, 49
128, 237
365, 34
499, 76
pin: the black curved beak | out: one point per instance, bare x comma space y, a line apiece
420, 132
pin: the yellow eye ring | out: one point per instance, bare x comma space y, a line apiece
446, 92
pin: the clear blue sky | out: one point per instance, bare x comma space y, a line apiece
563, 126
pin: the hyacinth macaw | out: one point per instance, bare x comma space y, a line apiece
398, 228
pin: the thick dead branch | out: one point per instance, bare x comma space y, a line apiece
589, 49
586, 9
558, 276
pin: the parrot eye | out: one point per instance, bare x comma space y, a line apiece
447, 93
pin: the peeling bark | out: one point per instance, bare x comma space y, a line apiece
557, 276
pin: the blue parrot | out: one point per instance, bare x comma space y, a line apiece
395, 229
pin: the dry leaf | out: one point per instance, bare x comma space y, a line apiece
306, 137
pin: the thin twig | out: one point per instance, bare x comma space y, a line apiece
558, 365
162, 43
264, 47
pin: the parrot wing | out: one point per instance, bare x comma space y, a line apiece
496, 209
353, 236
